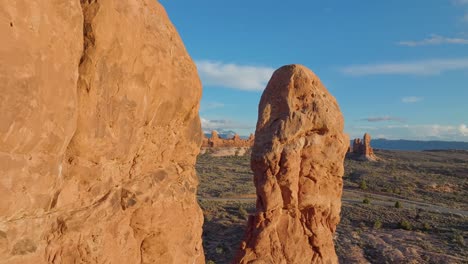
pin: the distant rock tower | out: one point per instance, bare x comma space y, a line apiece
362, 148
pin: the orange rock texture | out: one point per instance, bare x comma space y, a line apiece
216, 142
297, 160
363, 148
99, 135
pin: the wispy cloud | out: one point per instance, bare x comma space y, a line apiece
463, 130
382, 119
411, 99
460, 2
417, 132
242, 77
434, 40
222, 125
211, 105
422, 67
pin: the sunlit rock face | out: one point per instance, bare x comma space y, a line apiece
99, 135
297, 160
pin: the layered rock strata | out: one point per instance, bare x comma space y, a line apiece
297, 160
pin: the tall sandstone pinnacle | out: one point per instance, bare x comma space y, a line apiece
297, 160
99, 135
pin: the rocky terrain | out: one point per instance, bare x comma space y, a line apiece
427, 225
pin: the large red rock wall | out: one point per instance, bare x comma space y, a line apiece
297, 160
99, 134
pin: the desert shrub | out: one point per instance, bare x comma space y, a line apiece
458, 238
377, 224
242, 212
363, 185
210, 262
406, 225
397, 204
366, 201
426, 227
219, 250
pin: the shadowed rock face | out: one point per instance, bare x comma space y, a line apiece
99, 134
297, 160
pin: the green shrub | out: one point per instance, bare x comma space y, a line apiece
377, 224
406, 225
397, 204
363, 185
366, 201
458, 238
242, 212
210, 262
426, 227
219, 250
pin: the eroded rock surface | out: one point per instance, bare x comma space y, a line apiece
98, 135
363, 149
297, 160
215, 141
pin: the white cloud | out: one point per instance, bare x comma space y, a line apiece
460, 2
382, 119
434, 40
422, 67
463, 130
417, 132
223, 125
411, 99
211, 105
242, 77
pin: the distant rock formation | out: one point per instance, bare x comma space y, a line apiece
362, 148
297, 160
216, 142
99, 135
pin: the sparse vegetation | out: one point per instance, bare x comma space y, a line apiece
363, 185
406, 225
402, 175
397, 204
377, 224
366, 201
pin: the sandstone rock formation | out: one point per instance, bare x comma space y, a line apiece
99, 134
297, 160
217, 142
362, 148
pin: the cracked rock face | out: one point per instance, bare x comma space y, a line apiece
99, 134
297, 160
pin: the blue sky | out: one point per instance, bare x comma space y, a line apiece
399, 69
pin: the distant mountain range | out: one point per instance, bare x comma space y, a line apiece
417, 145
